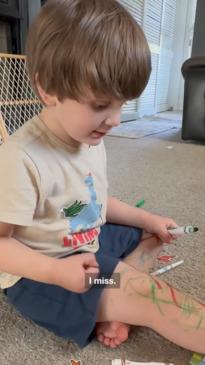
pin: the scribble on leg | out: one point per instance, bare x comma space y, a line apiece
162, 294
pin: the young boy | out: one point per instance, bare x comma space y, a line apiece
85, 59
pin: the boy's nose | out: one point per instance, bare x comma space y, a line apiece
113, 121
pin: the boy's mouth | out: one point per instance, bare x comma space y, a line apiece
97, 134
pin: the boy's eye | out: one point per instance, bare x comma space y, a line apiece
101, 107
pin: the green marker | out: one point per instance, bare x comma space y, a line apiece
140, 203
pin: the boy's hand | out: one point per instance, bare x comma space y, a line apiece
70, 271
158, 225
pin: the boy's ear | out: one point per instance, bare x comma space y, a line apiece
48, 100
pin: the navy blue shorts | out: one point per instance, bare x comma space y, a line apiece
68, 314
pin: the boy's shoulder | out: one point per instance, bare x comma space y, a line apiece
29, 139
22, 146
25, 135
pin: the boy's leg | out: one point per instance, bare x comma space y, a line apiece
142, 258
150, 302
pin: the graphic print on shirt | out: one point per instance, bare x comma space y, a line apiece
83, 218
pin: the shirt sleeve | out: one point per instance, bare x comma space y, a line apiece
19, 181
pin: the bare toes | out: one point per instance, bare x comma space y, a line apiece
100, 337
122, 334
117, 341
107, 341
113, 344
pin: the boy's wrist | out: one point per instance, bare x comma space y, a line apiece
142, 217
53, 271
59, 274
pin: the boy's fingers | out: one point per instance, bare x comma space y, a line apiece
91, 261
92, 270
159, 240
166, 237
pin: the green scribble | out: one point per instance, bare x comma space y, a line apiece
188, 308
154, 297
200, 323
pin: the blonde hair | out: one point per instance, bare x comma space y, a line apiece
79, 45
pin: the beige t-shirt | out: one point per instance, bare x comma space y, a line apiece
53, 193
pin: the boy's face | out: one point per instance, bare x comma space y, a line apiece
84, 122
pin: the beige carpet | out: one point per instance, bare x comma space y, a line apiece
172, 182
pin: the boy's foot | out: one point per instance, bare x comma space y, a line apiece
112, 334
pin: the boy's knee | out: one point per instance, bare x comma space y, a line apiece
135, 283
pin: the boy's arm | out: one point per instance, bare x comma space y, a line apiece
122, 213
20, 260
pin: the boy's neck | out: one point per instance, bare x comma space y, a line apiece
48, 119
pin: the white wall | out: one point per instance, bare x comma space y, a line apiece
33, 8
184, 25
